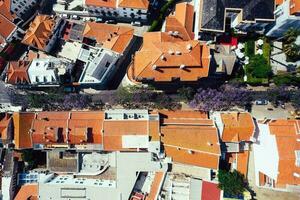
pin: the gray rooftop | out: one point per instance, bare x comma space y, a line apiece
213, 11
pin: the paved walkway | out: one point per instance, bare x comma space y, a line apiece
266, 194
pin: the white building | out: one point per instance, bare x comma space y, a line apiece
46, 72
277, 155
121, 10
287, 16
99, 66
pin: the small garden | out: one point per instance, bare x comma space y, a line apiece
290, 48
258, 70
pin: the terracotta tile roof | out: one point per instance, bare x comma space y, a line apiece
196, 159
286, 133
116, 38
188, 137
210, 191
156, 185
137, 4
5, 119
101, 3
18, 72
113, 130
237, 127
39, 32
82, 127
22, 125
7, 27
182, 21
163, 57
241, 159
295, 6
5, 10
28, 192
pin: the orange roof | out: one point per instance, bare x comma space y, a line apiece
156, 185
113, 130
237, 127
116, 38
200, 159
182, 21
82, 127
295, 6
22, 125
28, 192
188, 136
101, 3
241, 159
7, 27
18, 72
163, 57
5, 10
5, 119
137, 4
286, 133
39, 32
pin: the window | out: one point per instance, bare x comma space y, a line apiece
297, 158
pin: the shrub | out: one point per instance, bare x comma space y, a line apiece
233, 183
249, 48
258, 67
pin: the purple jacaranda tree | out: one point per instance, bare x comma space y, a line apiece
220, 99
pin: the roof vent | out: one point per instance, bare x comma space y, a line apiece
154, 67
296, 175
175, 33
178, 53
209, 144
190, 151
171, 52
189, 47
182, 66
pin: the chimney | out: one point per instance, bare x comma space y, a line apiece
154, 67
182, 66
170, 33
163, 57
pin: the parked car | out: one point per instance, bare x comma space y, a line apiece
99, 20
111, 21
136, 23
261, 102
66, 16
75, 17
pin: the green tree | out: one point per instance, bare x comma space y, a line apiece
233, 183
259, 67
186, 94
291, 49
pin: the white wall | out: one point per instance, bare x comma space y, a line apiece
266, 157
